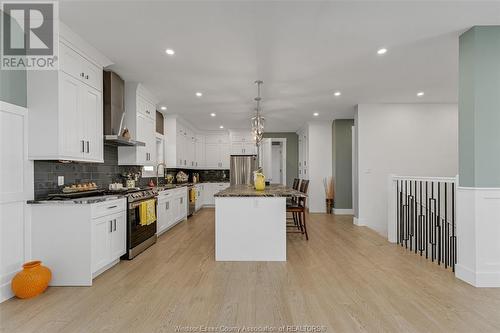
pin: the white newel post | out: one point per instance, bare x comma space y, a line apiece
391, 209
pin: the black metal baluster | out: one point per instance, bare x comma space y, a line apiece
438, 225
397, 211
410, 215
426, 219
407, 220
453, 237
445, 225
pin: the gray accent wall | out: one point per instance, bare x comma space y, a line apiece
292, 154
479, 107
342, 162
13, 83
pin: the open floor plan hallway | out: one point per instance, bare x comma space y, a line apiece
344, 279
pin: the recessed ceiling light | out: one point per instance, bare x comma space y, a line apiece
420, 94
221, 127
337, 93
382, 51
315, 114
212, 115
199, 94
169, 51
163, 108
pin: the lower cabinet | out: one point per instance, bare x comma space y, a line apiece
108, 235
209, 191
171, 209
78, 241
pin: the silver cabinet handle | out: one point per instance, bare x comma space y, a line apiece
83, 146
111, 207
88, 147
82, 74
167, 206
110, 226
114, 221
86, 77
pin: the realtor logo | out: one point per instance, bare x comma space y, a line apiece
29, 35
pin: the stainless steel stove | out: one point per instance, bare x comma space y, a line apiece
139, 237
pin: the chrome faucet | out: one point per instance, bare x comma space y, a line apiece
157, 167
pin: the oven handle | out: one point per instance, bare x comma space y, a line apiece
136, 204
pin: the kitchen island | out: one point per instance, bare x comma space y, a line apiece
250, 225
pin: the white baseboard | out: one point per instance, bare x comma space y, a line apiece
5, 292
359, 221
479, 279
343, 211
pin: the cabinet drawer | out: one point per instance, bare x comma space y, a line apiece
108, 207
76, 65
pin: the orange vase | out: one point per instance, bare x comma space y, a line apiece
32, 280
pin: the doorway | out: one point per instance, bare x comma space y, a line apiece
277, 163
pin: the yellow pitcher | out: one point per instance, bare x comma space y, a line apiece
260, 181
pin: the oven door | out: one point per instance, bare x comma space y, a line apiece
138, 233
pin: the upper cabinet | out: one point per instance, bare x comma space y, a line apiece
242, 143
191, 149
303, 153
66, 107
140, 119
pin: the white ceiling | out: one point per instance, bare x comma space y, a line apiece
304, 51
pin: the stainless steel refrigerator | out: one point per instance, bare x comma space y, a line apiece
242, 168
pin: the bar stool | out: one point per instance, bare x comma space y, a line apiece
299, 209
293, 201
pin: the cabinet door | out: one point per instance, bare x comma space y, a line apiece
183, 205
212, 153
91, 114
236, 149
225, 155
92, 75
162, 218
118, 236
199, 152
151, 141
249, 149
71, 140
70, 61
101, 242
142, 135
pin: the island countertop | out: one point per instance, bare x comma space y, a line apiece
273, 190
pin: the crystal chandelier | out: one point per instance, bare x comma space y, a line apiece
258, 120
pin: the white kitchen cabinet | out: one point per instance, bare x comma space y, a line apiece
140, 119
91, 238
303, 153
200, 196
210, 190
243, 149
171, 208
66, 110
199, 151
217, 155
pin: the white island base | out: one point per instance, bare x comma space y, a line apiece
250, 229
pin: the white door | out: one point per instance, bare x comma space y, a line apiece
72, 132
91, 114
151, 141
142, 135
266, 158
225, 155
276, 175
16, 186
101, 242
161, 216
212, 155
119, 236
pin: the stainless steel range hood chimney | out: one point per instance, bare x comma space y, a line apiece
114, 111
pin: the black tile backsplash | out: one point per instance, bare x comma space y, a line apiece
46, 173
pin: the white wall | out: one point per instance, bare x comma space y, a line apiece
401, 139
320, 163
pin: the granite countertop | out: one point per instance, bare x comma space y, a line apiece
273, 190
79, 201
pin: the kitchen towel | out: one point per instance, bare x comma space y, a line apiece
147, 214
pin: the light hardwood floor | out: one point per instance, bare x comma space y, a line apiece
346, 278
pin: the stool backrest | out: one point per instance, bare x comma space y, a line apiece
296, 183
304, 186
